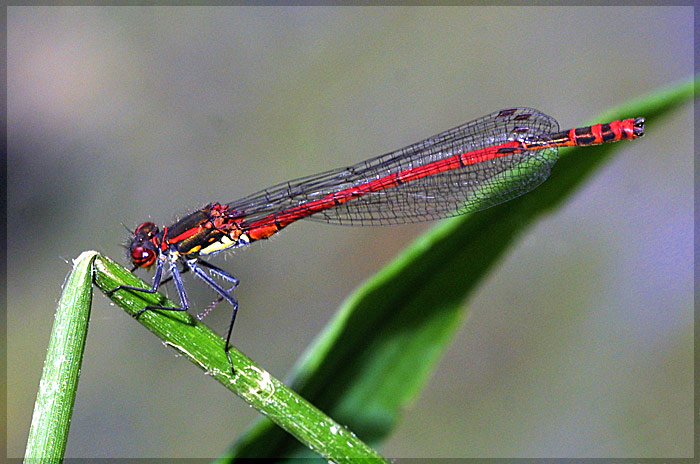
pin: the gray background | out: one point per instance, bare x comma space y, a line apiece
579, 344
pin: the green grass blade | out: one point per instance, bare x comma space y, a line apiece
377, 353
196, 342
53, 409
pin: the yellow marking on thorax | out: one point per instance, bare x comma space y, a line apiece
223, 243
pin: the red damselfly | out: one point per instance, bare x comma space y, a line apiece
474, 166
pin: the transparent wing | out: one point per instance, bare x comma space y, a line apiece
451, 192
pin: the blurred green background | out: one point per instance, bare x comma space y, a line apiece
578, 345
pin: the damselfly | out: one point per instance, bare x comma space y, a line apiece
474, 166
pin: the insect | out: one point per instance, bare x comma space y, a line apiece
471, 167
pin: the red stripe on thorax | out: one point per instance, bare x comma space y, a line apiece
185, 235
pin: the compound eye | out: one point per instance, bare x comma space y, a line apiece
143, 256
